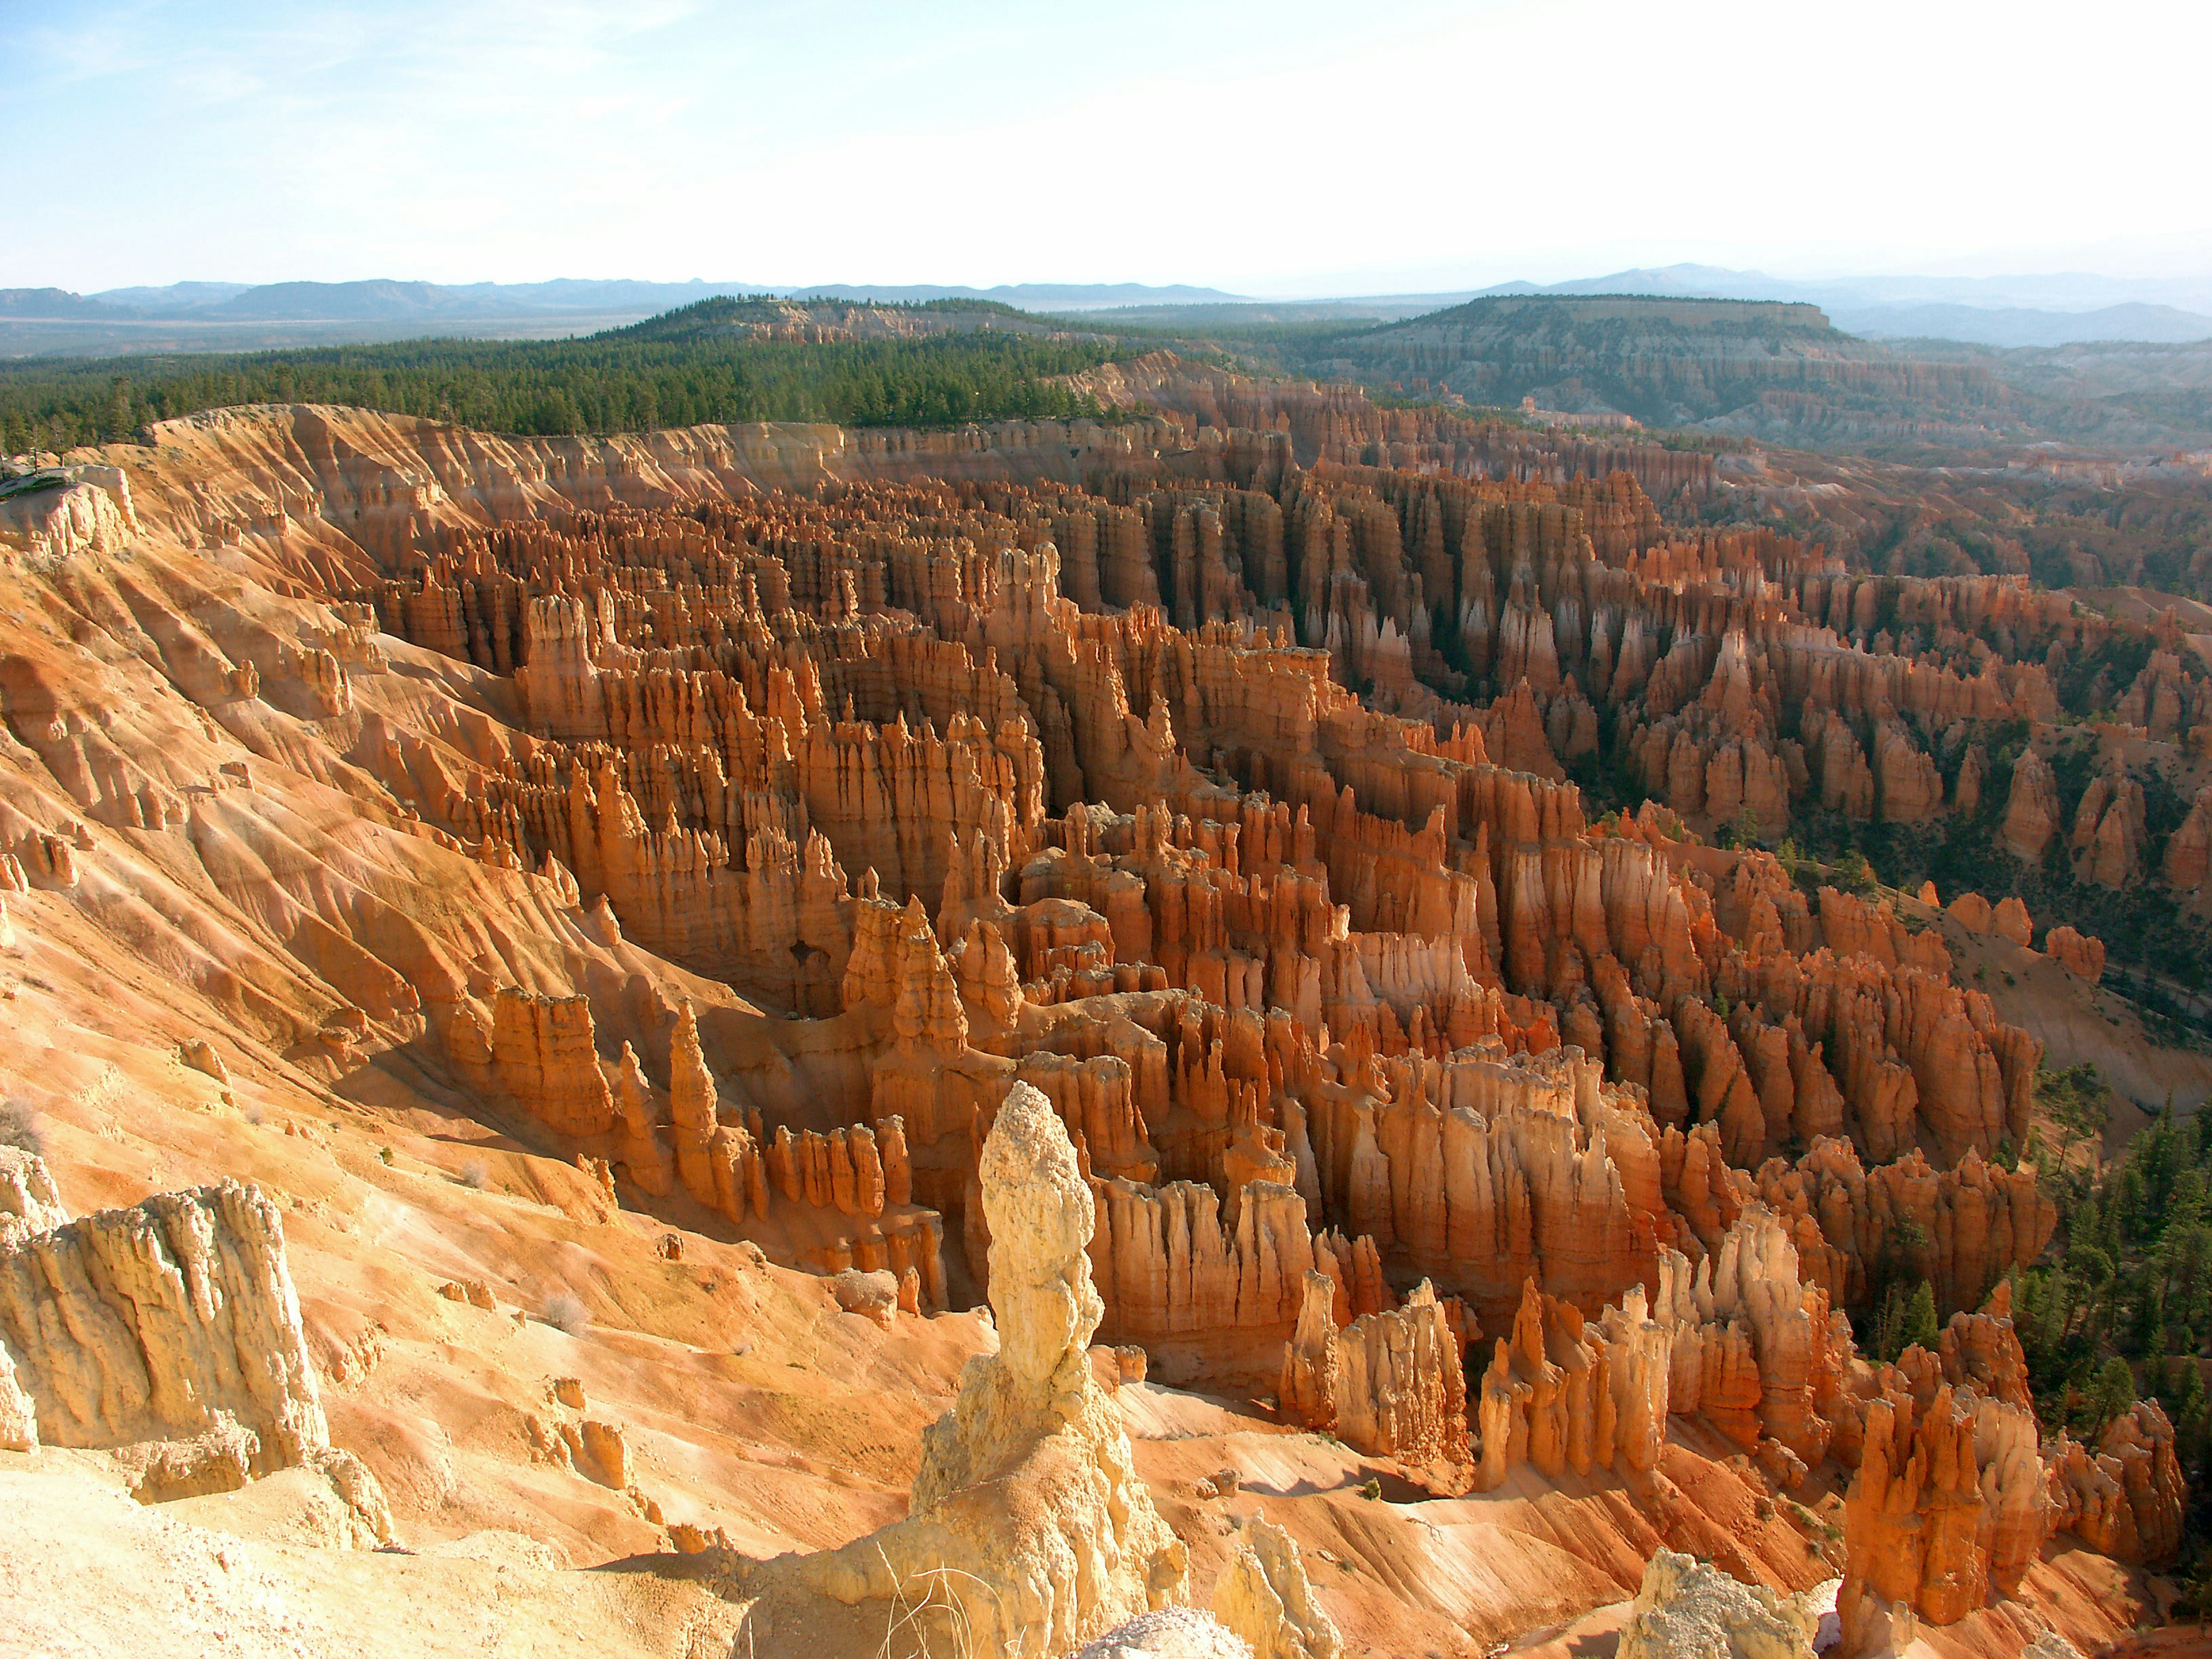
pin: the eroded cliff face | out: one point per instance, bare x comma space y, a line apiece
154, 1322
752, 820
169, 1334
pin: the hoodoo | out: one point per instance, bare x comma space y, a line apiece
896, 974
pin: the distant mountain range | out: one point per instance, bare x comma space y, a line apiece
45, 322
2001, 312
383, 300
2063, 309
2005, 311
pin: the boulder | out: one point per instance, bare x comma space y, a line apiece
873, 1295
1690, 1609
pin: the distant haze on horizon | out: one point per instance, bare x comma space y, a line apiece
1314, 148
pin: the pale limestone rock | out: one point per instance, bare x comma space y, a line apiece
1168, 1633
323, 1507
19, 1418
1871, 1625
1690, 1609
1027, 1497
29, 1202
872, 1295
149, 1323
368, 1518
220, 1458
1265, 1597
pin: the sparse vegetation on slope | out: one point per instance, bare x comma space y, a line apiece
2123, 1308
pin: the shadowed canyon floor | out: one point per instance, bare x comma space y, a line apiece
668, 926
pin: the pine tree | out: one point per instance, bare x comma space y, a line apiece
1920, 1330
2112, 1392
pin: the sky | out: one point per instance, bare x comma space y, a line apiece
1289, 148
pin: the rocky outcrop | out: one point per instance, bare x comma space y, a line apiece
1177, 1633
1264, 1596
692, 1105
2126, 1500
1026, 1493
1177, 782
1752, 1346
1908, 785
544, 1057
1690, 1609
2031, 809
19, 1418
1982, 1351
1950, 1500
872, 1295
1307, 1393
2188, 861
1563, 1394
148, 1324
170, 1335
1203, 1297
2081, 955
1904, 1044
1400, 1390
2109, 830
1962, 1227
29, 1202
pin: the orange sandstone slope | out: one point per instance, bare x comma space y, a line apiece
605, 890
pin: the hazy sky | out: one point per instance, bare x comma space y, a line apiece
1275, 149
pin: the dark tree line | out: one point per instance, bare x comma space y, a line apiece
625, 381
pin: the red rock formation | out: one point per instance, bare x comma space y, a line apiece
2031, 808
544, 1057
1949, 1501
1972, 912
1907, 784
2080, 954
693, 1105
1563, 1394
1965, 1226
2126, 1501
1200, 1297
1218, 794
1307, 1393
1399, 1391
2189, 849
1981, 1351
2109, 831
1753, 1348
